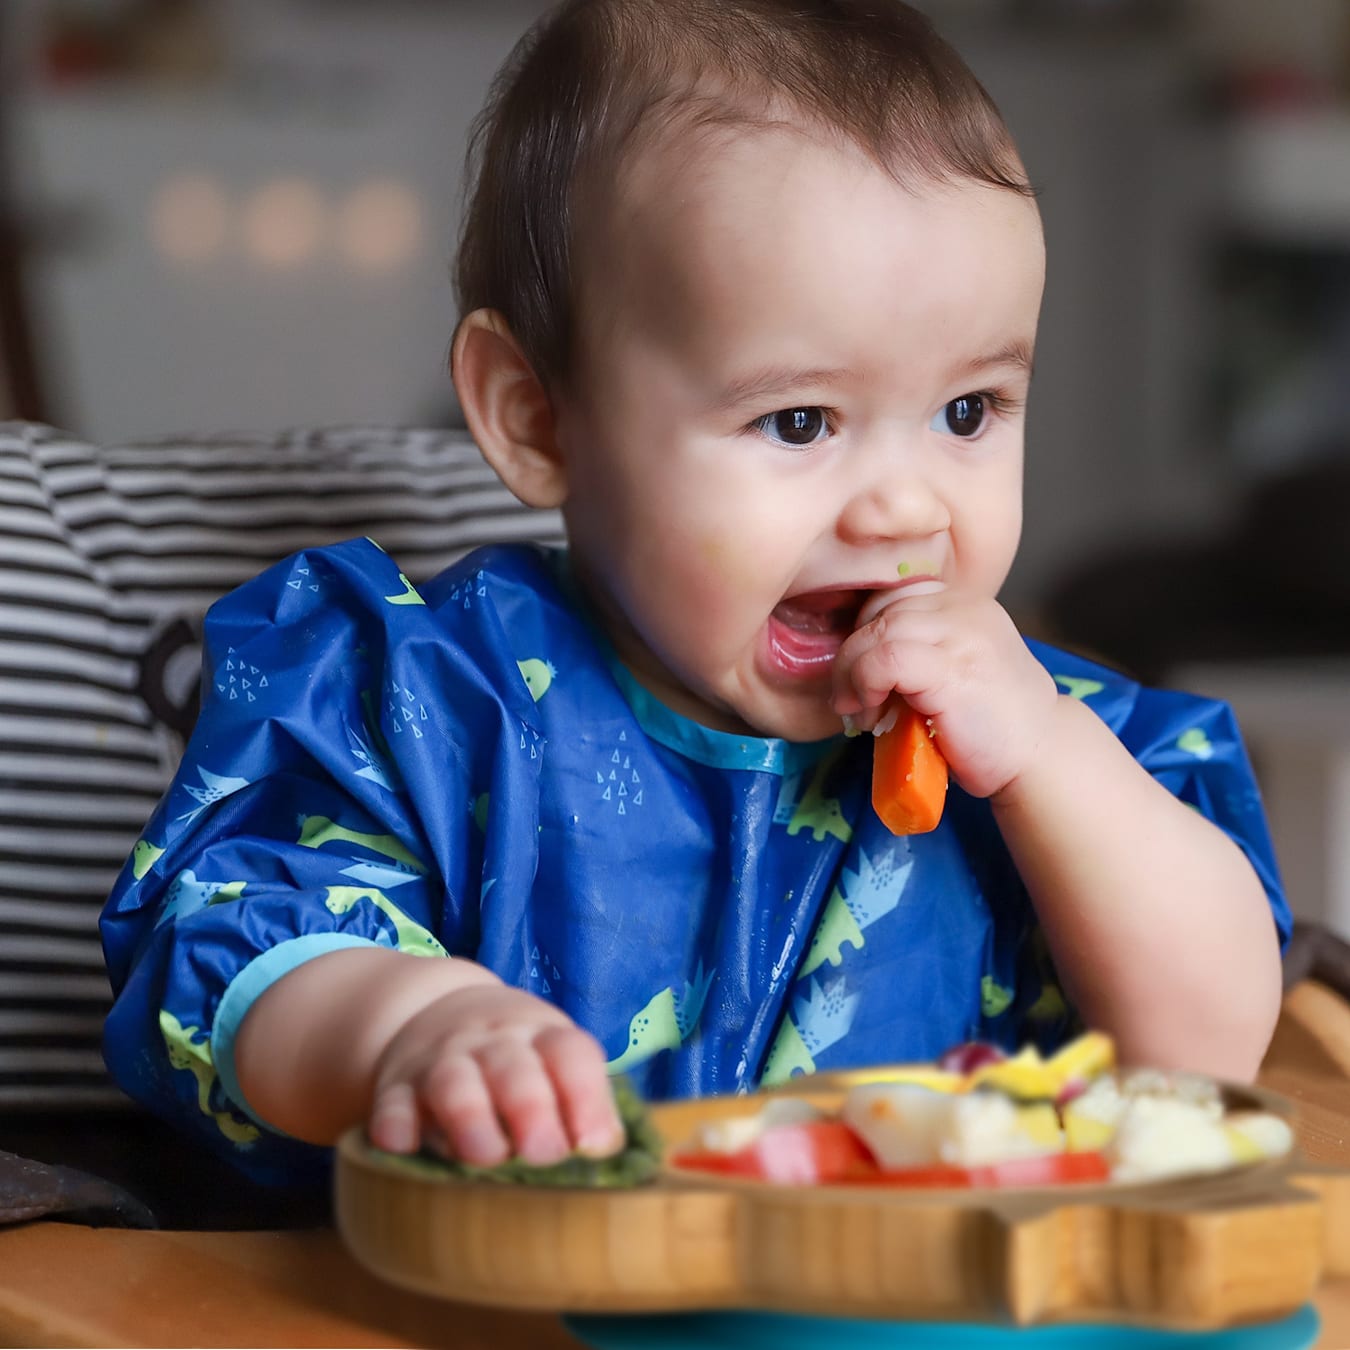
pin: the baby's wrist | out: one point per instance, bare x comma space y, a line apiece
1048, 758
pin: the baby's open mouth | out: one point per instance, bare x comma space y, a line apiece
806, 631
821, 611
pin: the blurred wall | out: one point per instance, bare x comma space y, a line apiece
250, 225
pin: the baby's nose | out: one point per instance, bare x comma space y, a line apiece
897, 505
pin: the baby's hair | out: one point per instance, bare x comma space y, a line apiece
595, 79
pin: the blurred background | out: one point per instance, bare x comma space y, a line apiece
240, 214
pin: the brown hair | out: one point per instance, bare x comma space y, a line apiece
591, 77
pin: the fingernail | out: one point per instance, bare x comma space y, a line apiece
544, 1147
601, 1143
851, 727
481, 1146
393, 1132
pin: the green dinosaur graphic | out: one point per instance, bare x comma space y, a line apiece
411, 936
665, 1023
538, 676
144, 856
1195, 742
994, 998
407, 596
817, 812
836, 927
856, 903
1049, 1005
195, 1058
316, 831
654, 1029
789, 1055
1079, 688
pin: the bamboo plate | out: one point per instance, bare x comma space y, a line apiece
1199, 1253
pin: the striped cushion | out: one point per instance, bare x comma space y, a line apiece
108, 559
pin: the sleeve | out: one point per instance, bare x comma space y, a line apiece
325, 800
1193, 747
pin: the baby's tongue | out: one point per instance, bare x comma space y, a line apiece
819, 612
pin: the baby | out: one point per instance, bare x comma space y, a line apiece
750, 291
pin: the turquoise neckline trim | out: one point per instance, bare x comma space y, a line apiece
704, 745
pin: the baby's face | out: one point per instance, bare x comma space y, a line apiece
799, 387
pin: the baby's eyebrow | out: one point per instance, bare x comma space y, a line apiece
1015, 354
777, 380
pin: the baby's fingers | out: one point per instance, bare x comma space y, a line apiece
458, 1104
394, 1122
522, 1092
576, 1064
877, 671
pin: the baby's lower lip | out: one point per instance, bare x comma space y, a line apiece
795, 652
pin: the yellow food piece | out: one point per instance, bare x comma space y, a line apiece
1026, 1074
1084, 1057
1245, 1149
917, 1075
1083, 1134
1040, 1123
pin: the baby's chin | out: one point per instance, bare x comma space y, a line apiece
795, 720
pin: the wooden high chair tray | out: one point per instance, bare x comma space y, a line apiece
1202, 1252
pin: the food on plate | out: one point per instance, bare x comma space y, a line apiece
987, 1119
909, 775
637, 1162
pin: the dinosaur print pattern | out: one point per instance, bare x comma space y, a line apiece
193, 1056
410, 936
817, 812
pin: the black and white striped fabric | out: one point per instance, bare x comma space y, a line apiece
109, 557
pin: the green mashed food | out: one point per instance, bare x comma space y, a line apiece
637, 1162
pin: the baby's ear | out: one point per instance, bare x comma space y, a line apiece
507, 409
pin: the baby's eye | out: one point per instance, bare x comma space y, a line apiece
963, 416
797, 427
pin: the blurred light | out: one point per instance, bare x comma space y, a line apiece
380, 226
189, 217
283, 222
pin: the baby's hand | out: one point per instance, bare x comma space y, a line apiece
488, 1072
961, 662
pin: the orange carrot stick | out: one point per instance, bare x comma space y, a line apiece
909, 776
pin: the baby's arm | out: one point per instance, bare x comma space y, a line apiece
1158, 925
424, 1049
